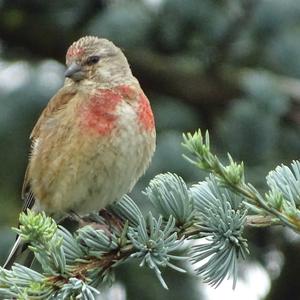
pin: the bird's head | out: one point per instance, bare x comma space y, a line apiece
96, 60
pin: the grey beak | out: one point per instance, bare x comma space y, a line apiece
74, 71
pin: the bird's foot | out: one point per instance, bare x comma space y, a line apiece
112, 220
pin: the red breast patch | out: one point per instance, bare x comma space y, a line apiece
99, 115
145, 114
127, 91
74, 52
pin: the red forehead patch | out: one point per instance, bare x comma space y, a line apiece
74, 52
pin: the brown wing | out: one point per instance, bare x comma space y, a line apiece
63, 96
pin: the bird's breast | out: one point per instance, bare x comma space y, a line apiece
103, 112
92, 159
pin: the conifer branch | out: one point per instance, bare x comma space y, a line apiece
280, 201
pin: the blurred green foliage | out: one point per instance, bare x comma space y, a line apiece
231, 66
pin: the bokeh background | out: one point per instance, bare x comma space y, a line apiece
230, 66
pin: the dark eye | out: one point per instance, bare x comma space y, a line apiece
92, 60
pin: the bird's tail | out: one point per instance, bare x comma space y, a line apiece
18, 248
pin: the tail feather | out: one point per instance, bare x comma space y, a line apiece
18, 248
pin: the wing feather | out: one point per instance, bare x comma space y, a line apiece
63, 96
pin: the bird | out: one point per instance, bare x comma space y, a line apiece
93, 141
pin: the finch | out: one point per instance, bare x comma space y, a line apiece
94, 139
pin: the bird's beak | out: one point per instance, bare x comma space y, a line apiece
74, 72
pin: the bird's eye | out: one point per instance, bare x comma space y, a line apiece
92, 60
